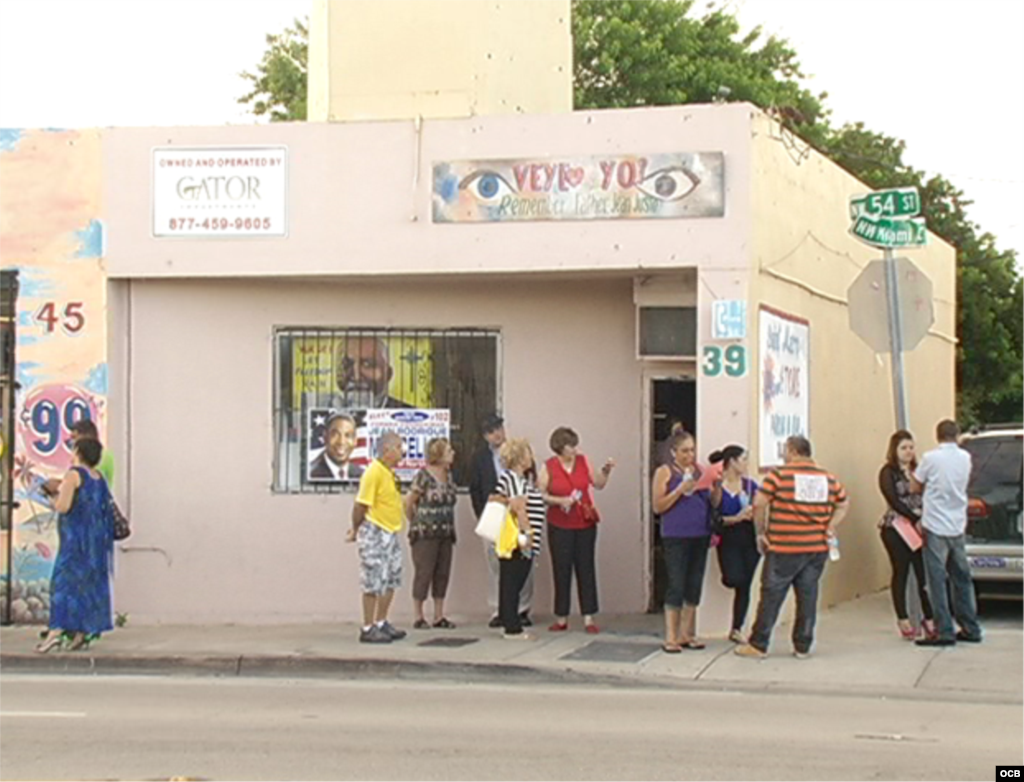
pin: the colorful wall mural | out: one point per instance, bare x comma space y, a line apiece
50, 230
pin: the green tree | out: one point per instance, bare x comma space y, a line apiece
653, 53
281, 78
990, 353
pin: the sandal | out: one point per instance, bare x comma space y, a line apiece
49, 643
671, 648
80, 642
692, 645
421, 624
444, 623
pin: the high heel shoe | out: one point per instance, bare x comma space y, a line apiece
930, 631
908, 631
48, 643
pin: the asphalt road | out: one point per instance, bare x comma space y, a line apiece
109, 727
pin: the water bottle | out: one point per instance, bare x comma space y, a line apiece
833, 547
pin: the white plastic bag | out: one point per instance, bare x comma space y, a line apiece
491, 520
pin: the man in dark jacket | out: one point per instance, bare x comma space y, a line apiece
483, 479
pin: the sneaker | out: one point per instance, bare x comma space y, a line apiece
971, 639
375, 635
746, 650
801, 655
524, 619
736, 636
393, 632
494, 623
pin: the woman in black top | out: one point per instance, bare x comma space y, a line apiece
894, 481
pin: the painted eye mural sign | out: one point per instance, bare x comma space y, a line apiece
50, 209
785, 405
341, 443
598, 187
233, 192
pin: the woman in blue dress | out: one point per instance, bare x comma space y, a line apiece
80, 584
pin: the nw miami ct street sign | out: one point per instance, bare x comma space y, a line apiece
889, 218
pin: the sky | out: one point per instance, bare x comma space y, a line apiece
943, 75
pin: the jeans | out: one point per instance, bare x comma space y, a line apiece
947, 556
685, 561
802, 572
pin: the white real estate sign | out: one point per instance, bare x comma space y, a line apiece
234, 192
785, 405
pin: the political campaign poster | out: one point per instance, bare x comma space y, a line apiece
785, 396
336, 450
341, 443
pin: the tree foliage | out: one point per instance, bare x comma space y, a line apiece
632, 53
655, 52
278, 87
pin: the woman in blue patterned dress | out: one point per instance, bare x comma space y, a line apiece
80, 584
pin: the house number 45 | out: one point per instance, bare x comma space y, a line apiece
732, 360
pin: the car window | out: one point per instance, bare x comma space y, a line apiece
996, 461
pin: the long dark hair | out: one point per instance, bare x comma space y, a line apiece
894, 443
727, 455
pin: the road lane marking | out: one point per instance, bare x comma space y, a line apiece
44, 714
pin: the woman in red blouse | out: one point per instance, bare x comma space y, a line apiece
566, 480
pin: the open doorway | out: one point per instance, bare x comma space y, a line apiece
670, 399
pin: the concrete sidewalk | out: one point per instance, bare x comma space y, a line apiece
857, 651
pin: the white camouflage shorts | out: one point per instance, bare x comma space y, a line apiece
380, 559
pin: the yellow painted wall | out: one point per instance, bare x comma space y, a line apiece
438, 58
800, 235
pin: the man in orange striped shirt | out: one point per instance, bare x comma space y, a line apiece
797, 508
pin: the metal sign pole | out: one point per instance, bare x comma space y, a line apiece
899, 391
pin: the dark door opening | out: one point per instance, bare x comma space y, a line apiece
672, 399
8, 389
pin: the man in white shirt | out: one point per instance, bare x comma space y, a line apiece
943, 474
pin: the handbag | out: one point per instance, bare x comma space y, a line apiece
508, 540
122, 528
491, 521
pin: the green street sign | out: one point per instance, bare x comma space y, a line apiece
898, 202
883, 232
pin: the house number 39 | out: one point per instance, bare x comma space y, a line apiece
732, 360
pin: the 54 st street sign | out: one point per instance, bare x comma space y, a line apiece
889, 218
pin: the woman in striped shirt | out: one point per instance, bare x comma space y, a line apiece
527, 504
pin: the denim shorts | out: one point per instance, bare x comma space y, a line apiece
685, 561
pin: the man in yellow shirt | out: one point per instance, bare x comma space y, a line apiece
376, 523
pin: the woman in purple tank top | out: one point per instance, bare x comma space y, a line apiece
685, 536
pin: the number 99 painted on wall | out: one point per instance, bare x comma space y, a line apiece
46, 418
731, 359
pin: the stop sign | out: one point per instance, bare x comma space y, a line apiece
869, 310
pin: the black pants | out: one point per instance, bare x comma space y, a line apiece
902, 559
738, 563
780, 572
573, 549
512, 575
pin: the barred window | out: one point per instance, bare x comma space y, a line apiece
332, 387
